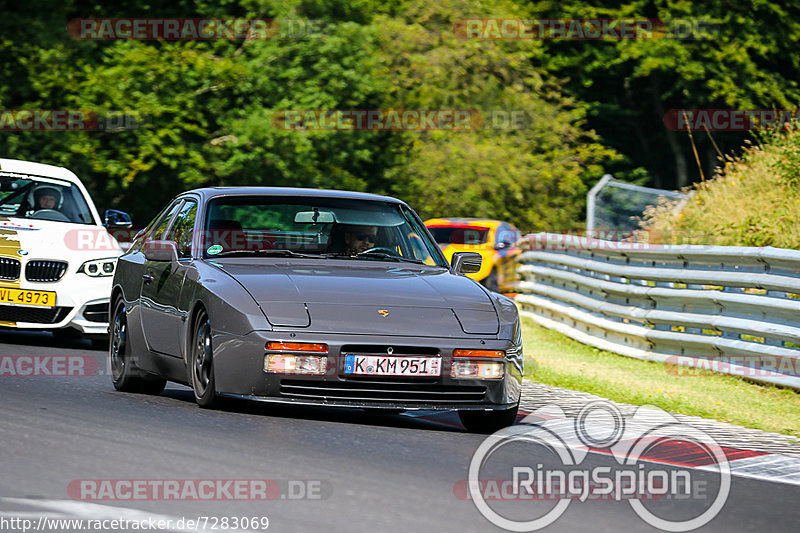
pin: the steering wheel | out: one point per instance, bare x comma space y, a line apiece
379, 249
50, 214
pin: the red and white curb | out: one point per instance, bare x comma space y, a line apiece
745, 463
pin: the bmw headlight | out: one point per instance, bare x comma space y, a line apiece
97, 268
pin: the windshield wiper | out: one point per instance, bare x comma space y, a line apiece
392, 257
267, 253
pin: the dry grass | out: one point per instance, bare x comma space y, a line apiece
751, 201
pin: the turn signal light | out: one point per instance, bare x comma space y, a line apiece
297, 347
479, 353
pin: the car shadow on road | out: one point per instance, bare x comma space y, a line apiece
47, 339
427, 420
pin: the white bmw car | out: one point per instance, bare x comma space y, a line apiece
57, 258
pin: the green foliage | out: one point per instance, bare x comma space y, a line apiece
534, 176
743, 56
207, 109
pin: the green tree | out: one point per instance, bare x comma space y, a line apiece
742, 56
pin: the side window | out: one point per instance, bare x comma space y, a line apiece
161, 225
182, 229
506, 236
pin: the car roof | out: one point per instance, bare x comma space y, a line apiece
37, 169
211, 192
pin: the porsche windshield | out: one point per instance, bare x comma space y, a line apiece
42, 198
317, 226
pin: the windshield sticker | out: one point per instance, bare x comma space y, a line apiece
214, 250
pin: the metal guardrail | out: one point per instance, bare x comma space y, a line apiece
724, 308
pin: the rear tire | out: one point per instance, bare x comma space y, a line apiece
488, 421
124, 374
201, 364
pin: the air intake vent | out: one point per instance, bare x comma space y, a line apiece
9, 268
96, 313
378, 391
46, 271
12, 313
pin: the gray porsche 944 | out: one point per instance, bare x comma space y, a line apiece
311, 297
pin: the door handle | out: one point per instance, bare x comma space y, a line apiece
147, 278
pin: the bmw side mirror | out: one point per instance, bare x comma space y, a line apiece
117, 220
466, 262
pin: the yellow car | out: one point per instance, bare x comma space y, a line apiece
495, 240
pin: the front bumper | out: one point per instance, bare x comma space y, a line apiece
81, 304
239, 371
389, 406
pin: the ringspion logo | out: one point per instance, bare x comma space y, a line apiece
557, 469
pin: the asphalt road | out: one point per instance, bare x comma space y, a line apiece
359, 471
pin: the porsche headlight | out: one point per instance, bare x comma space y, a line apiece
98, 268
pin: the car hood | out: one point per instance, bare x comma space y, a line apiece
27, 239
365, 298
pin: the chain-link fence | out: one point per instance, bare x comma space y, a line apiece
620, 206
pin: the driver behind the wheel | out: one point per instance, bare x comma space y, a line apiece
46, 198
358, 239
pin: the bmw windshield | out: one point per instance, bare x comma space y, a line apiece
42, 198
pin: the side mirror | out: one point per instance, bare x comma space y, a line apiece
117, 220
466, 262
503, 245
161, 251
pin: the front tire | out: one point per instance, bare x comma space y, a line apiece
488, 421
124, 374
202, 363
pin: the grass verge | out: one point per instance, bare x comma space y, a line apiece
564, 362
